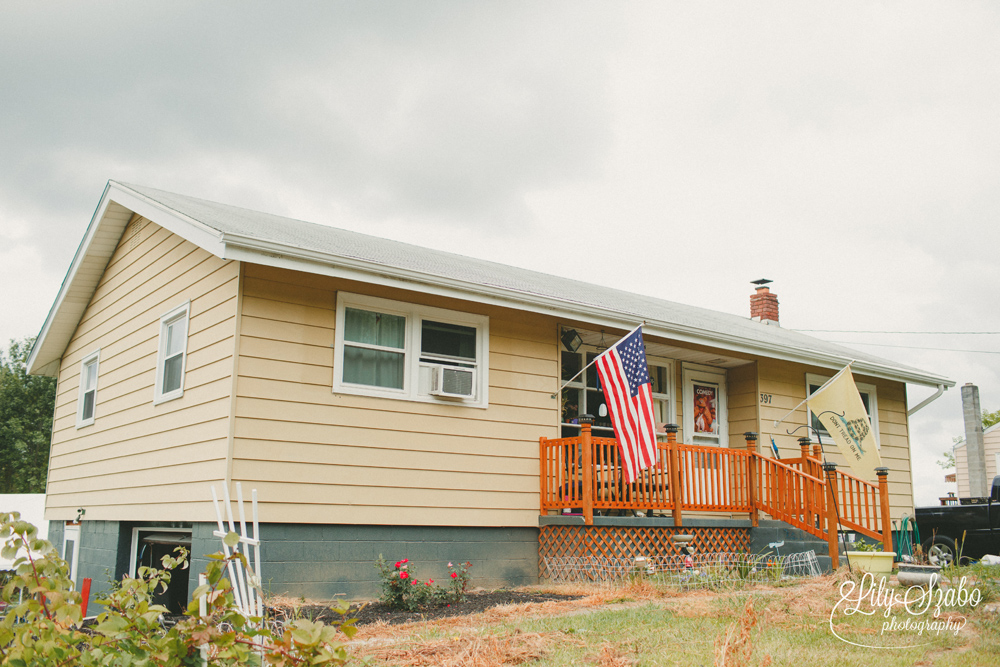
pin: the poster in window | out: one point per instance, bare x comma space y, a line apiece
705, 403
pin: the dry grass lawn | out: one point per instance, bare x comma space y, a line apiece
641, 623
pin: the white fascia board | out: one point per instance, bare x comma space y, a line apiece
84, 275
173, 221
257, 251
43, 359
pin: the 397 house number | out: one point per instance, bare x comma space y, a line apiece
765, 399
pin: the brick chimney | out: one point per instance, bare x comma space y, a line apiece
763, 304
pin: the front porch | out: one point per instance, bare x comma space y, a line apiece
723, 491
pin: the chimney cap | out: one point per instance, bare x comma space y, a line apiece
761, 282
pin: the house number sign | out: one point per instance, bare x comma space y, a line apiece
765, 399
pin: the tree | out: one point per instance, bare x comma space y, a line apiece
27, 403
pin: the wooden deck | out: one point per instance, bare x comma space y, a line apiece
583, 474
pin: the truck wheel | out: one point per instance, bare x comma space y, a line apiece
940, 550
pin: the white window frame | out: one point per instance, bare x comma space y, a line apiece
414, 314
863, 388
662, 402
134, 548
709, 375
95, 359
182, 311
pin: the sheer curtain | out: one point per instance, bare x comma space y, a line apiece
376, 361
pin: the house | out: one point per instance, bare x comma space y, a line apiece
991, 445
389, 399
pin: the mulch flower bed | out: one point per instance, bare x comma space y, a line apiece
475, 602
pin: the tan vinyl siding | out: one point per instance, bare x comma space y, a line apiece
316, 456
991, 445
785, 384
742, 397
167, 455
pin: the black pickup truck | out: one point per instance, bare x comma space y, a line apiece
970, 530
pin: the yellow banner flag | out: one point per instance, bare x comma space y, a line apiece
838, 407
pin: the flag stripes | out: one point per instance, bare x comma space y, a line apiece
625, 380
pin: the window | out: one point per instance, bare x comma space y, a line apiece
399, 350
171, 359
87, 401
584, 394
868, 397
705, 417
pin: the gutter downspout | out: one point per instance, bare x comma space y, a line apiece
927, 401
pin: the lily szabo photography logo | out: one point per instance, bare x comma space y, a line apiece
883, 617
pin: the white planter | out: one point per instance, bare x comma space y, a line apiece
916, 575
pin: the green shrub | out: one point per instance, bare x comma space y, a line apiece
402, 589
43, 621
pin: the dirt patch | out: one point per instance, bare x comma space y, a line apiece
476, 602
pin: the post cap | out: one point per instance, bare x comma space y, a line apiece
671, 428
881, 471
805, 441
586, 418
750, 435
829, 467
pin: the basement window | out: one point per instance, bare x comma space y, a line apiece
87, 400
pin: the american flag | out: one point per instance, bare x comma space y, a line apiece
625, 380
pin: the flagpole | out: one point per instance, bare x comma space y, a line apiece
638, 326
839, 373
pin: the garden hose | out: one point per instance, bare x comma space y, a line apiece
907, 536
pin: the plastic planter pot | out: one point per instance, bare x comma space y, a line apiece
876, 562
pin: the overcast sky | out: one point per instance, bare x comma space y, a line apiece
847, 151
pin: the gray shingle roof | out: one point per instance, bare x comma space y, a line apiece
235, 227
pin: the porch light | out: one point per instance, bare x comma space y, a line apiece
571, 340
586, 419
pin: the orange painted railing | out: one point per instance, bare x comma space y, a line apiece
714, 479
584, 474
859, 505
790, 495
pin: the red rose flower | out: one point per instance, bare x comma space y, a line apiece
403, 575
454, 575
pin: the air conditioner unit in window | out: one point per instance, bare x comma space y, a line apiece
451, 382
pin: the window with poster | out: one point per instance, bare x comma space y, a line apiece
584, 395
704, 408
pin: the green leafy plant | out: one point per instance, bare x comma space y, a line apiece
43, 621
402, 589
862, 545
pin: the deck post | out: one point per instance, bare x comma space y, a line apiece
542, 475
675, 472
832, 519
883, 494
588, 468
807, 468
751, 439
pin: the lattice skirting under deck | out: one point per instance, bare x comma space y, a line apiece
632, 541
